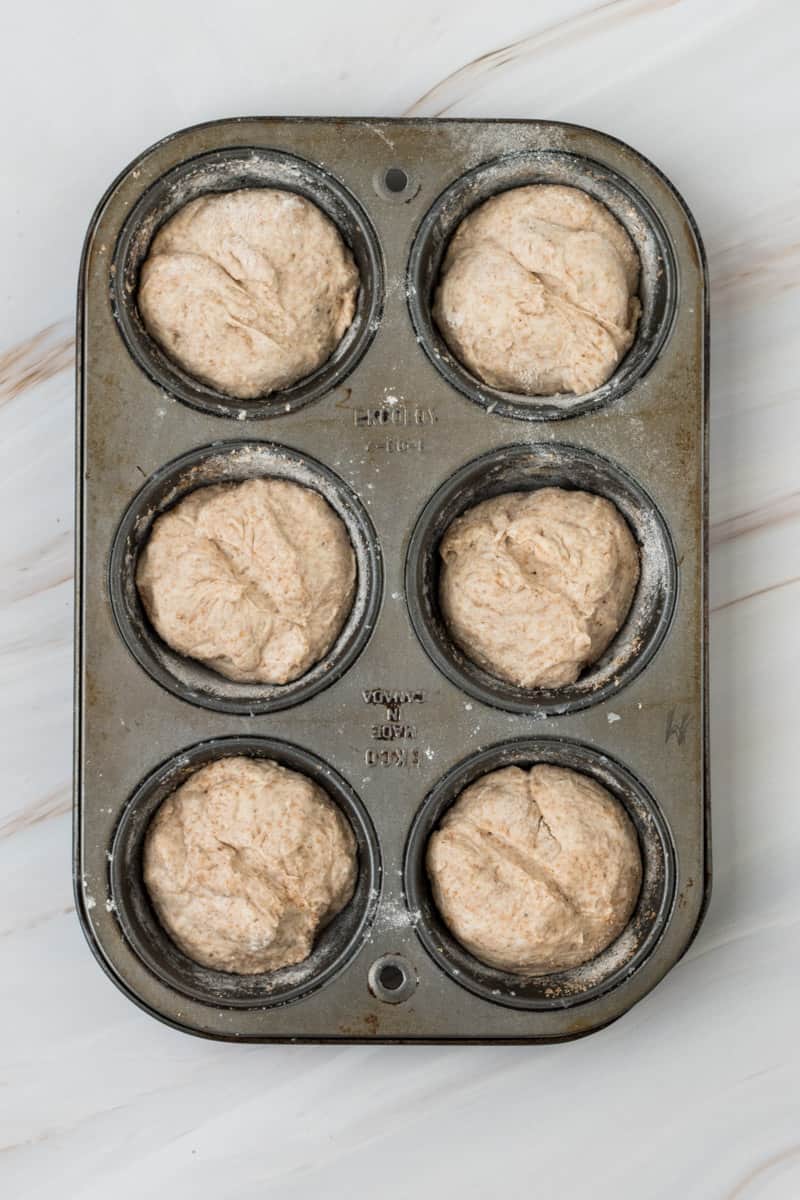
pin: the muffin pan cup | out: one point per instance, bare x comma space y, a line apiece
228, 464
335, 943
394, 722
225, 171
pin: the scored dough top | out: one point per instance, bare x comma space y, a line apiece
246, 862
537, 293
255, 579
248, 291
535, 870
534, 585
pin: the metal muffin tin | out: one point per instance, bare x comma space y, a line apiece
395, 722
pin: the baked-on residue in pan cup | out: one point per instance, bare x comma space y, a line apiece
657, 286
243, 170
575, 985
524, 467
230, 463
336, 943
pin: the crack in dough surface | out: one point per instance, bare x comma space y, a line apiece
535, 870
248, 291
534, 585
255, 579
537, 292
246, 862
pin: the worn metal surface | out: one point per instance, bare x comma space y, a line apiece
395, 720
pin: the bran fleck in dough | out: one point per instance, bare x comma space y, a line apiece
246, 862
248, 291
534, 585
535, 870
537, 293
255, 579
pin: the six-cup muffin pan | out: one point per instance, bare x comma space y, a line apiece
395, 722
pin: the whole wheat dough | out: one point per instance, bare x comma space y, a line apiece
254, 579
246, 862
248, 291
537, 292
535, 870
534, 585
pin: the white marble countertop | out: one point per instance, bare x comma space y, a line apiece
695, 1093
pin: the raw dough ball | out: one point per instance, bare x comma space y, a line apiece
538, 291
255, 579
246, 862
248, 291
534, 585
535, 871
